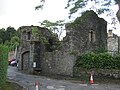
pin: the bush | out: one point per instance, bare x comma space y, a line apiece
3, 63
98, 61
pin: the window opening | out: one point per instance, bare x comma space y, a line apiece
28, 35
92, 36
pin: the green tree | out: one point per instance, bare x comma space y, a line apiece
10, 32
2, 35
56, 27
14, 42
6, 35
82, 3
99, 6
75, 5
7, 43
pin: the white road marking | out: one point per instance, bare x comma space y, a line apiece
83, 84
48, 79
60, 89
50, 87
95, 84
56, 87
61, 86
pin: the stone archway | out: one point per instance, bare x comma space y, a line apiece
25, 61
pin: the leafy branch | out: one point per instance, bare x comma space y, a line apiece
56, 27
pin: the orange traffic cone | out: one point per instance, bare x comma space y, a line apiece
91, 79
36, 85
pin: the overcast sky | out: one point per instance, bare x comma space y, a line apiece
18, 13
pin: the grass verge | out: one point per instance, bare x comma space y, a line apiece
8, 86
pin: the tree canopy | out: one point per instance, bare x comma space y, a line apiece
75, 5
10, 32
9, 37
56, 27
99, 6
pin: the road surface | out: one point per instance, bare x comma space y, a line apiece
45, 83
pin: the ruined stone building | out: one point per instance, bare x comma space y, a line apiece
113, 43
47, 54
34, 42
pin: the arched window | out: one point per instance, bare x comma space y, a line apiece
92, 36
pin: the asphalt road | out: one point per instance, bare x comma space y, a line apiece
44, 83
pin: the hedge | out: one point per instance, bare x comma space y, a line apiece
3, 64
98, 61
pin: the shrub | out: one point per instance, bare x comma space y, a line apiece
98, 61
3, 63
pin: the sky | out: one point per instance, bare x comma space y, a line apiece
18, 13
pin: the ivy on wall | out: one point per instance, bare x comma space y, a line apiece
35, 32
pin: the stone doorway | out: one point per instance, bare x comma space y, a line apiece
25, 60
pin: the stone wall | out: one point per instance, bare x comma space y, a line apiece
58, 62
88, 33
113, 43
96, 72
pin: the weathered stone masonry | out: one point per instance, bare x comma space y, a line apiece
86, 33
113, 43
32, 49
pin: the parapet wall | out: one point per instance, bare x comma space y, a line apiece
97, 72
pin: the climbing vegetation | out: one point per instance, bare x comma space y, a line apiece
35, 32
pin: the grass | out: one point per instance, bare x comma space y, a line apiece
8, 86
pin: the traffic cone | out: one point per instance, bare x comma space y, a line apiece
91, 79
36, 85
